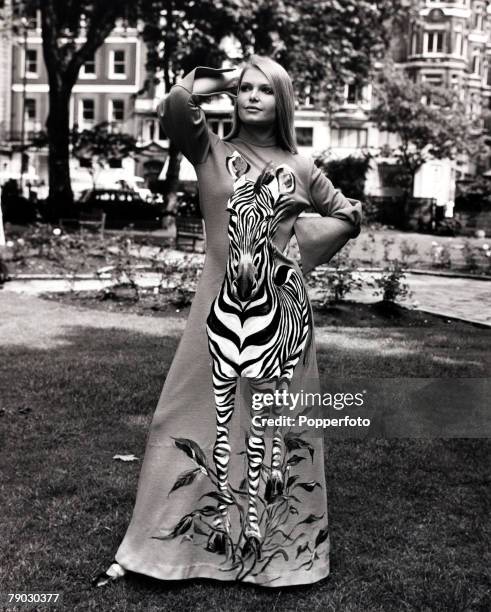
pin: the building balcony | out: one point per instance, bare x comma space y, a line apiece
31, 138
347, 116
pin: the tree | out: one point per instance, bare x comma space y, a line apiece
72, 30
430, 122
323, 43
100, 145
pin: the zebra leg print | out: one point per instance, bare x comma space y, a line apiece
224, 401
255, 458
275, 483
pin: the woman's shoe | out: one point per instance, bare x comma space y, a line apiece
114, 572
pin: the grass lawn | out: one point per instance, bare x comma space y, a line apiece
407, 516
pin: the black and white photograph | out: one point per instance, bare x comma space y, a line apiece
245, 305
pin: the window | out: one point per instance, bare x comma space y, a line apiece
352, 94
88, 110
458, 46
88, 69
31, 62
488, 79
117, 64
116, 110
476, 62
349, 137
389, 175
33, 17
414, 43
220, 127
434, 42
162, 134
434, 79
227, 127
478, 20
475, 106
30, 108
305, 136
214, 125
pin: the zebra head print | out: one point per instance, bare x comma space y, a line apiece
256, 208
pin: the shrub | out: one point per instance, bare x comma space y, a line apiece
440, 255
407, 251
472, 256
387, 243
391, 284
336, 282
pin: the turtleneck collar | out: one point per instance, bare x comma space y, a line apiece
248, 138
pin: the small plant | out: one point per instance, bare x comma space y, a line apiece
391, 284
450, 226
122, 267
407, 251
19, 250
471, 255
335, 283
387, 243
178, 279
440, 255
487, 257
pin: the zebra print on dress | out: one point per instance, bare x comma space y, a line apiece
258, 327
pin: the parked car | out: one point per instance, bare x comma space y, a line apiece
16, 208
122, 207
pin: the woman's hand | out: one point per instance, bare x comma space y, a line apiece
231, 81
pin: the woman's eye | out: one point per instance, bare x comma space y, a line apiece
244, 87
267, 90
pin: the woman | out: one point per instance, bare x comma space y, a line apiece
191, 517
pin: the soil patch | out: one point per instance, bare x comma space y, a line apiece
337, 314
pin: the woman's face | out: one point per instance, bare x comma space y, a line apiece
256, 104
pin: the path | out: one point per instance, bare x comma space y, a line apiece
464, 298
469, 299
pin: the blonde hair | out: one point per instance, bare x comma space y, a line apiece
282, 87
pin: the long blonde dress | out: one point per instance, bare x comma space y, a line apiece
169, 533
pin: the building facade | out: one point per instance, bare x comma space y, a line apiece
449, 45
105, 92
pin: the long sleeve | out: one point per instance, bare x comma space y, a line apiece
330, 202
320, 239
183, 119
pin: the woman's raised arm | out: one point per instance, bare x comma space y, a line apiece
183, 119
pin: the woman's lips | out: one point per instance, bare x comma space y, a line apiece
252, 109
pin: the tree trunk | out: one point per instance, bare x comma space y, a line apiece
58, 126
171, 181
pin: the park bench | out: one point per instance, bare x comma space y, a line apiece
94, 220
189, 229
